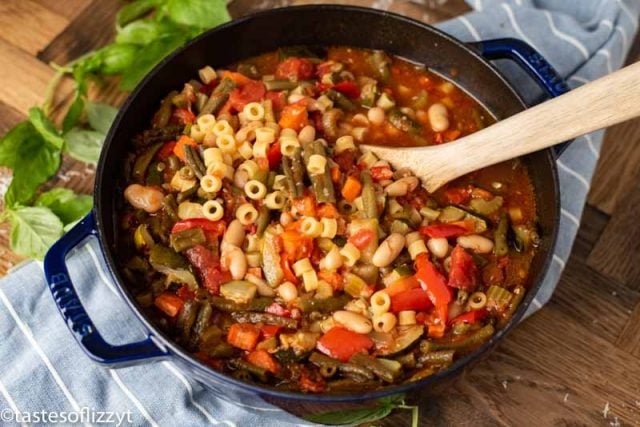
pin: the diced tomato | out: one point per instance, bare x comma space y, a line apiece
185, 293
341, 343
169, 303
216, 228
264, 360
414, 299
274, 156
278, 100
252, 91
335, 174
278, 310
305, 205
294, 116
327, 210
296, 245
457, 195
312, 381
269, 331
380, 173
464, 272
166, 150
208, 268
289, 275
470, 317
443, 230
361, 238
243, 335
349, 88
421, 318
331, 277
295, 69
402, 285
183, 116
432, 281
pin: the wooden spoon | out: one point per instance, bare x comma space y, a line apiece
604, 102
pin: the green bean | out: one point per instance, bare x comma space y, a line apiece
326, 305
280, 84
441, 357
518, 296
341, 101
228, 306
201, 100
359, 371
202, 322
403, 122
160, 255
298, 171
248, 70
195, 161
268, 111
268, 318
256, 371
478, 337
154, 136
329, 192
264, 216
163, 115
184, 195
498, 298
219, 96
369, 196
170, 207
500, 236
143, 161
368, 94
187, 318
381, 370
288, 173
221, 350
321, 183
186, 239
380, 62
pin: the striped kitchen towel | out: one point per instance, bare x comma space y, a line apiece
43, 369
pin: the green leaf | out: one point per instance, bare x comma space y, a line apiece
73, 113
44, 126
84, 145
67, 205
134, 10
111, 59
355, 416
33, 230
145, 31
148, 57
33, 161
101, 116
197, 13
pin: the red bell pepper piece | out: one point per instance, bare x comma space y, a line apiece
208, 268
166, 150
348, 88
274, 155
470, 317
380, 173
361, 238
289, 276
295, 69
464, 272
183, 116
185, 293
251, 91
443, 230
434, 282
457, 195
215, 227
341, 343
414, 299
269, 331
278, 100
296, 245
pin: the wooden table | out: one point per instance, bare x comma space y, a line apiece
576, 362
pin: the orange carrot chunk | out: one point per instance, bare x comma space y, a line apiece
243, 335
351, 189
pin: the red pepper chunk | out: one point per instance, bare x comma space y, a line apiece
470, 317
341, 343
434, 282
215, 227
295, 69
464, 272
208, 268
443, 230
274, 155
252, 91
414, 299
183, 116
166, 150
296, 245
348, 88
361, 238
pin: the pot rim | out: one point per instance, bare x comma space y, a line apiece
166, 343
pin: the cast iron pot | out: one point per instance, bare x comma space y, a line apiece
263, 32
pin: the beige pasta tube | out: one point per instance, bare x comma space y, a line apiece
275, 200
477, 300
310, 280
329, 227
384, 322
245, 150
380, 302
407, 317
207, 74
416, 248
260, 149
251, 243
255, 190
253, 111
211, 183
187, 210
302, 266
350, 254
226, 143
250, 167
311, 227
212, 210
288, 145
246, 214
206, 122
317, 164
222, 127
265, 135
197, 133
211, 155
344, 143
280, 182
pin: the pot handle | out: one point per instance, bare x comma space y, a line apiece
530, 61
74, 314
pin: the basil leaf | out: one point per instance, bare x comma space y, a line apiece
67, 205
33, 230
146, 31
44, 126
134, 10
355, 416
33, 161
148, 57
111, 59
101, 116
84, 145
73, 113
197, 13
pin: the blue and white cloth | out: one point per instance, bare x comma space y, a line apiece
43, 369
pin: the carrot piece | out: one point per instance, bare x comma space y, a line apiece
237, 78
327, 210
264, 360
305, 205
243, 335
341, 343
169, 303
294, 116
351, 189
331, 277
335, 174
178, 150
402, 285
436, 330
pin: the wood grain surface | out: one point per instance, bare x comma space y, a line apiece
575, 362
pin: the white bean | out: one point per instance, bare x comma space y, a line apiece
288, 291
234, 234
353, 321
332, 261
388, 250
146, 198
234, 260
438, 117
476, 243
307, 135
438, 246
376, 115
402, 186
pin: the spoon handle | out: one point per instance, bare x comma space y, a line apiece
609, 100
